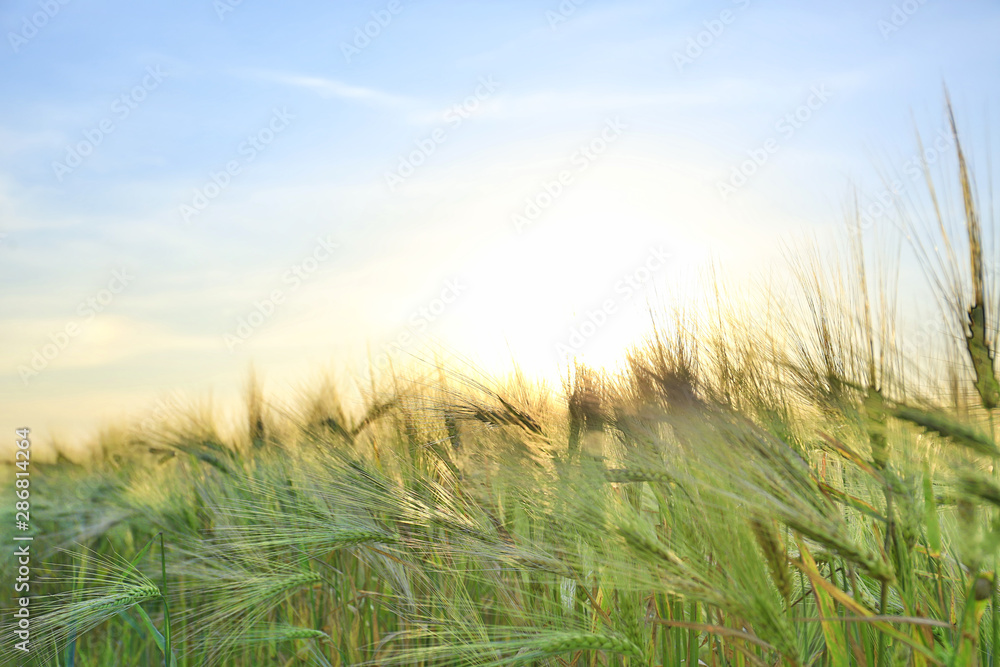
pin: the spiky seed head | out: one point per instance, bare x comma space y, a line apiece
584, 641
775, 553
981, 356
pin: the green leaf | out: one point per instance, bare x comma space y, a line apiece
836, 638
161, 642
135, 561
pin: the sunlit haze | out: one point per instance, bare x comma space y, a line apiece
191, 188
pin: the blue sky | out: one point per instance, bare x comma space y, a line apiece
642, 108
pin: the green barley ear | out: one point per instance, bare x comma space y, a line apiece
107, 586
238, 592
979, 486
637, 474
981, 354
283, 633
471, 646
950, 429
978, 344
773, 548
876, 416
560, 643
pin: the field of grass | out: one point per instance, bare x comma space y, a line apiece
788, 483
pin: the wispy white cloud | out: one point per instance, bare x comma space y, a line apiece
329, 88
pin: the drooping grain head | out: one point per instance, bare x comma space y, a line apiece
773, 548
